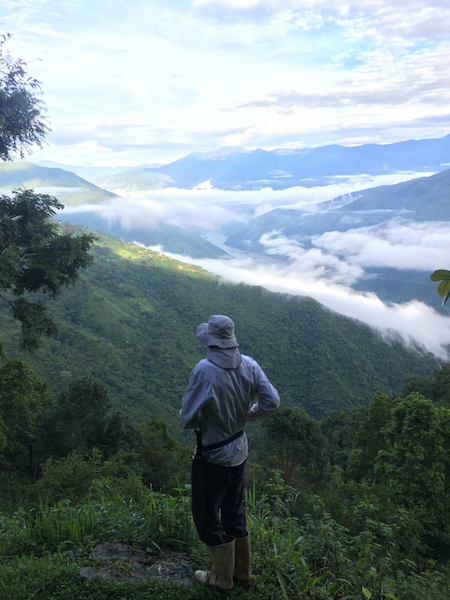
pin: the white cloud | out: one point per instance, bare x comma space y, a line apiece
414, 321
206, 209
312, 264
395, 244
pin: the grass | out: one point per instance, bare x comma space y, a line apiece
42, 551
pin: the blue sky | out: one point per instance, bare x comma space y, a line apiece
143, 81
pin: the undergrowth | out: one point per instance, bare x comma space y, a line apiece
295, 555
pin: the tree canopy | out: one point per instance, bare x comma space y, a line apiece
21, 122
36, 257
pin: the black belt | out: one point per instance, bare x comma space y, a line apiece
200, 446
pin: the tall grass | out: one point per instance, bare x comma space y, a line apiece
59, 527
295, 555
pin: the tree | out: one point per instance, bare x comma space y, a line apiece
339, 429
23, 397
416, 465
21, 122
370, 438
162, 458
36, 257
81, 420
294, 443
436, 386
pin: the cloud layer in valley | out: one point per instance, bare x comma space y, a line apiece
208, 209
326, 270
414, 322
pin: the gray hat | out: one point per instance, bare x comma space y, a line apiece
218, 331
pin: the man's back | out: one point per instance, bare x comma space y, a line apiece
219, 402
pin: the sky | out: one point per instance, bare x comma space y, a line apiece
149, 81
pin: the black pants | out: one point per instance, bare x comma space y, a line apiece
224, 492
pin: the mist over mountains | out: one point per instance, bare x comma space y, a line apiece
65, 185
419, 200
130, 322
359, 229
236, 168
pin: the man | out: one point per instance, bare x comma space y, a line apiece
218, 401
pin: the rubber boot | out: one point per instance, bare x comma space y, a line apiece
221, 574
242, 572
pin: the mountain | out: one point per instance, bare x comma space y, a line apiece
135, 179
237, 169
422, 199
419, 200
88, 173
94, 174
71, 189
66, 186
130, 322
171, 238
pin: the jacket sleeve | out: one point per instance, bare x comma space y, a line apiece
268, 399
195, 396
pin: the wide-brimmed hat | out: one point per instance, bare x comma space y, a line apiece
218, 331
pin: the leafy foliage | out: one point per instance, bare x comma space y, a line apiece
81, 420
436, 387
370, 438
339, 429
444, 287
294, 443
36, 257
21, 122
164, 462
23, 397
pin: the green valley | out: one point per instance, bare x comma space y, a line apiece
130, 323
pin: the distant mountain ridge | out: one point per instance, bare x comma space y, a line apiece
420, 200
72, 190
135, 180
64, 185
171, 238
236, 168
284, 168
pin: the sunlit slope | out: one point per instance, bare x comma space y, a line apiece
131, 320
69, 188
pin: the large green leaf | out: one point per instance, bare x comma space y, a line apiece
439, 275
444, 287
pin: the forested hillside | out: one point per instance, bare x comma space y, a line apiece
130, 322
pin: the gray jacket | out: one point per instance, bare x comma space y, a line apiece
219, 401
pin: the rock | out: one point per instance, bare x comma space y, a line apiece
92, 573
138, 562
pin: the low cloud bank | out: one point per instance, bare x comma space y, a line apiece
341, 256
415, 322
324, 271
206, 209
